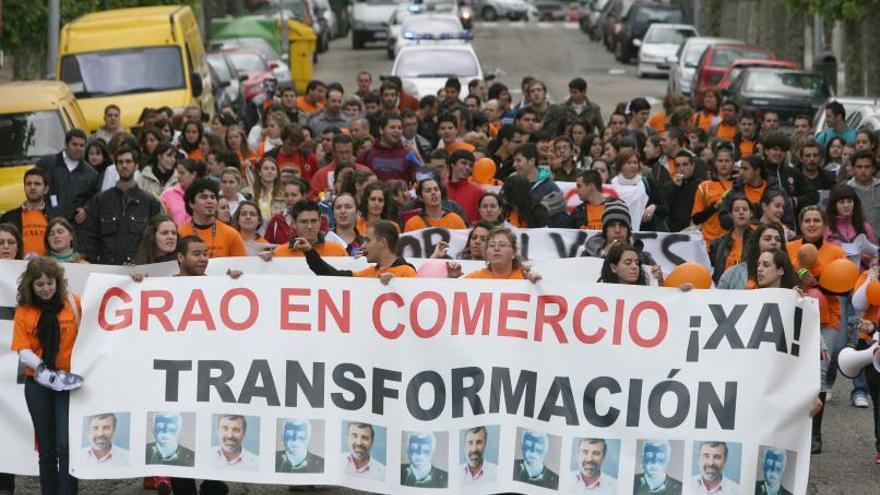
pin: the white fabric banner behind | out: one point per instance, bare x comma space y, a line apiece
304, 380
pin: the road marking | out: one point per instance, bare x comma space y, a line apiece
545, 25
617, 72
489, 24
571, 25
519, 25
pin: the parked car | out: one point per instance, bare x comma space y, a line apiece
684, 63
865, 117
737, 66
255, 67
850, 105
369, 20
661, 42
491, 10
424, 69
326, 11
320, 24
590, 10
609, 22
281, 70
786, 92
228, 89
716, 59
635, 22
551, 10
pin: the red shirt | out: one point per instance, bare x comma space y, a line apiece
466, 194
320, 181
306, 163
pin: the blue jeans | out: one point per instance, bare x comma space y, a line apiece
846, 335
49, 413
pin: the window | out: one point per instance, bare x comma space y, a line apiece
118, 72
28, 136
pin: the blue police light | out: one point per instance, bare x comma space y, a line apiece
409, 35
415, 8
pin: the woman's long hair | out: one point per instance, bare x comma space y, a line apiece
147, 252
389, 210
19, 243
613, 257
35, 269
511, 238
781, 260
840, 192
277, 186
517, 195
752, 250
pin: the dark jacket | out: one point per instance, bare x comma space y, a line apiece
115, 224
552, 119
681, 203
314, 464
825, 181
800, 190
14, 216
641, 487
547, 478
437, 478
394, 162
183, 456
71, 190
591, 113
760, 489
719, 250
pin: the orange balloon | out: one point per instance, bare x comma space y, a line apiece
839, 276
873, 293
808, 254
484, 170
689, 273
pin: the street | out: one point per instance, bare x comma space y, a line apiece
556, 53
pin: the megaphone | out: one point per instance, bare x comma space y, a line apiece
851, 362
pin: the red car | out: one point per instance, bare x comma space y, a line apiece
737, 66
715, 60
257, 68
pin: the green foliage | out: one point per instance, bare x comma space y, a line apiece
838, 10
26, 21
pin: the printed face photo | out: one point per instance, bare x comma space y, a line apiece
424, 459
776, 469
170, 438
300, 446
106, 439
478, 454
235, 442
658, 463
716, 463
592, 458
364, 450
536, 459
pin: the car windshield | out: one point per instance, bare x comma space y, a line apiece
256, 44
435, 26
436, 63
672, 36
723, 57
218, 63
245, 62
794, 84
647, 15
29, 135
117, 72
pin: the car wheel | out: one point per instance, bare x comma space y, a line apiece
489, 13
357, 40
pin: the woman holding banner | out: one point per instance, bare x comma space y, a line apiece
159, 242
743, 275
502, 260
521, 210
774, 271
727, 250
45, 327
629, 168
623, 265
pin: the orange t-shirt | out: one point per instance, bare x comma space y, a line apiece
514, 219
323, 248
754, 194
594, 216
827, 253
703, 120
304, 106
24, 332
746, 148
33, 231
516, 274
398, 269
658, 121
222, 240
710, 192
736, 251
671, 166
725, 132
450, 220
458, 145
196, 154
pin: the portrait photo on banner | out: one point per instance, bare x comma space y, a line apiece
171, 438
478, 455
235, 442
536, 459
299, 445
424, 459
716, 464
106, 439
776, 471
595, 463
659, 463
363, 448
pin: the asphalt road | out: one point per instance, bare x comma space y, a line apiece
557, 52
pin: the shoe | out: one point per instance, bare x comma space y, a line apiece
816, 446
860, 401
877, 458
828, 396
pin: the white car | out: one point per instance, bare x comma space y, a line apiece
684, 63
431, 29
424, 69
661, 42
400, 14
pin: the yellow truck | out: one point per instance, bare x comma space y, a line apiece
34, 116
137, 58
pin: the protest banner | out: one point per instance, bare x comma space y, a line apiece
668, 249
328, 380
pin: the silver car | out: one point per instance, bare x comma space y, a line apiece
369, 20
866, 117
491, 10
683, 64
660, 42
850, 105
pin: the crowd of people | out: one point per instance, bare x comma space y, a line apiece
328, 174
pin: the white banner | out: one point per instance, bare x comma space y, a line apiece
304, 380
668, 249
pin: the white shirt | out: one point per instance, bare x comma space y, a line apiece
245, 461
727, 487
71, 163
116, 457
374, 470
488, 472
605, 485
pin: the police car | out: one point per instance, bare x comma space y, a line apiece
431, 29
424, 68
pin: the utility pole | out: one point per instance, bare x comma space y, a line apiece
697, 7
54, 26
818, 36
